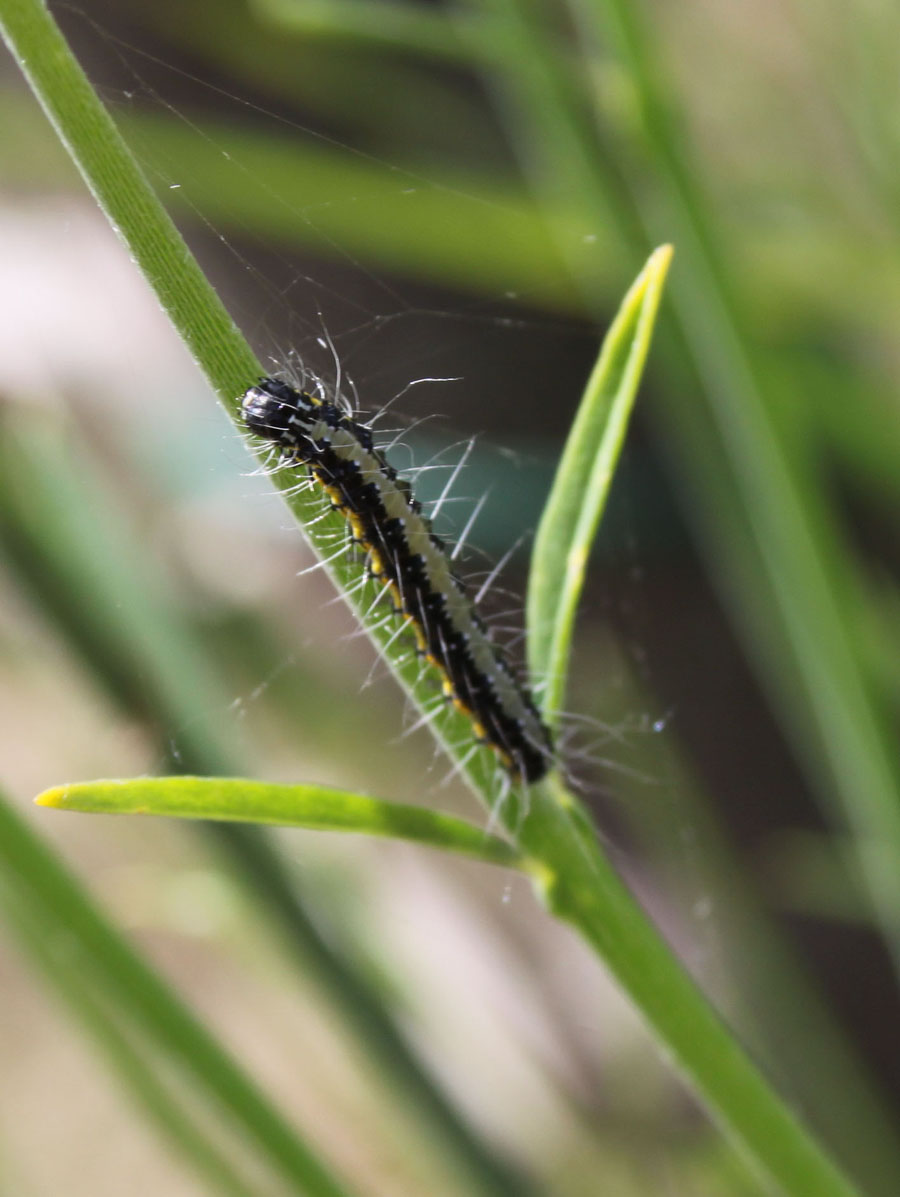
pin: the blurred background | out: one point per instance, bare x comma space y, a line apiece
462, 193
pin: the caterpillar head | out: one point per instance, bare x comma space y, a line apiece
273, 409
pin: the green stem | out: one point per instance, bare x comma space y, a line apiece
582, 888
852, 747
114, 178
58, 528
541, 91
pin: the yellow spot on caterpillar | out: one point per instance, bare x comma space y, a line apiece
405, 559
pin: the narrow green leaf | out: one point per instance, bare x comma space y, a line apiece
134, 1058
110, 171
201, 320
578, 497
318, 808
51, 890
808, 585
58, 527
399, 27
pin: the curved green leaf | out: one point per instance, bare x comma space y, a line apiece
318, 808
797, 587
578, 497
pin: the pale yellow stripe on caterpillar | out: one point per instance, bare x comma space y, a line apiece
405, 555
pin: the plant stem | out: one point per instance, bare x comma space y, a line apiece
583, 889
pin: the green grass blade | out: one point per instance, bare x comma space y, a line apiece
58, 527
578, 498
134, 987
126, 1055
196, 312
493, 238
317, 808
392, 26
841, 728
794, 1030
110, 171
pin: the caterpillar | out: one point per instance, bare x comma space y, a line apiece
406, 555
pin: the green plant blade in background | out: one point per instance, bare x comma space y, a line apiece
152, 240
773, 995
407, 28
132, 1057
495, 242
581, 887
317, 808
199, 316
840, 727
47, 888
576, 503
60, 530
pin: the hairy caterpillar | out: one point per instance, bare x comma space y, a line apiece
404, 553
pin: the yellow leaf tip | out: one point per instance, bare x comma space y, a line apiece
53, 797
660, 259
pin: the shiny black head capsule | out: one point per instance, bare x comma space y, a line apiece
270, 406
